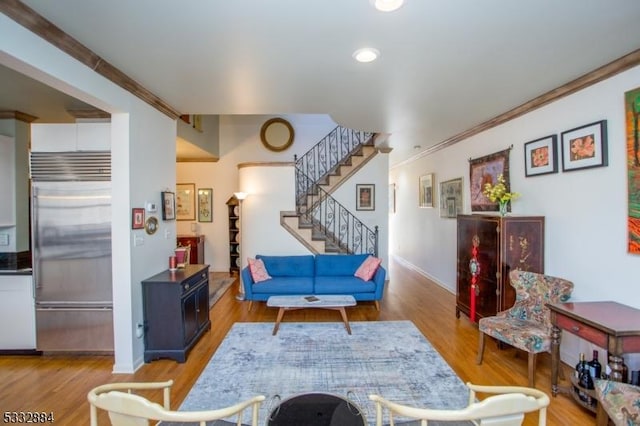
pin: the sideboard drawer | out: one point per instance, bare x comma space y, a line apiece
582, 330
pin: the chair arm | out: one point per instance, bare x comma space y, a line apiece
379, 278
247, 282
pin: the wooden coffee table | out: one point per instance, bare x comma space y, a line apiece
325, 301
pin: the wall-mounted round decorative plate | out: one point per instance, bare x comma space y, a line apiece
238, 262
151, 225
236, 211
277, 134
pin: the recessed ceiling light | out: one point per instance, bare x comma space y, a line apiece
366, 54
387, 5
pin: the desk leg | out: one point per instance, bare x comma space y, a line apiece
556, 333
278, 319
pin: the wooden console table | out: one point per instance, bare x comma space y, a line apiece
609, 325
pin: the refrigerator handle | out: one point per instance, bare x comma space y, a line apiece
35, 268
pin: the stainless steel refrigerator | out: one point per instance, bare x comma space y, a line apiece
71, 246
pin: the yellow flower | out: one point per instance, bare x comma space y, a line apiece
498, 192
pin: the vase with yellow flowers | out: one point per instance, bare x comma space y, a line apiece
498, 192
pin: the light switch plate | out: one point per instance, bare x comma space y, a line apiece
4, 239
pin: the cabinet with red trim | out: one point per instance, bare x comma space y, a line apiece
488, 248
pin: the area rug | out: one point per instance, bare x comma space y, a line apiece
217, 287
389, 358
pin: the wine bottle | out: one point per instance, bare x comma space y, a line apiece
595, 368
586, 381
580, 366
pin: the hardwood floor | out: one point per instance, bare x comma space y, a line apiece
59, 384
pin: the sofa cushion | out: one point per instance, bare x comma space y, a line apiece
289, 266
258, 271
338, 264
368, 268
284, 285
347, 284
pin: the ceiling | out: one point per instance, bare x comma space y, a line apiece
445, 65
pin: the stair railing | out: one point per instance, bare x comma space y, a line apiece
330, 152
327, 216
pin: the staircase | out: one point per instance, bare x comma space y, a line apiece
320, 222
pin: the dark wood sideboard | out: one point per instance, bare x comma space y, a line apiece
176, 312
495, 245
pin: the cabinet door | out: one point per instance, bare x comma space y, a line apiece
483, 233
522, 249
190, 316
53, 137
94, 137
7, 182
203, 305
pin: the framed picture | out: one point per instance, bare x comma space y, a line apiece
168, 206
585, 146
484, 170
540, 156
392, 198
186, 201
425, 190
451, 198
365, 197
632, 110
205, 205
137, 218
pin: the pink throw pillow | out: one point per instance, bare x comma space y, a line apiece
368, 268
258, 270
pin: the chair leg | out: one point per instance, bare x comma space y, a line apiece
480, 347
532, 369
250, 305
377, 305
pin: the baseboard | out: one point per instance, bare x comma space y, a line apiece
422, 272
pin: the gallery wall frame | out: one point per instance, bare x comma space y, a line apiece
168, 205
425, 190
137, 218
632, 110
451, 198
585, 147
540, 156
205, 205
365, 196
483, 170
186, 201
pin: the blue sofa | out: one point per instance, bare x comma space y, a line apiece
314, 274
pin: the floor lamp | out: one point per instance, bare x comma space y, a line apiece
240, 196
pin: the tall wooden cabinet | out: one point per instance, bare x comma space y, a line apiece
489, 247
233, 207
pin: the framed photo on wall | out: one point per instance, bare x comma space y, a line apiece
425, 190
168, 206
205, 205
540, 156
186, 201
451, 198
137, 218
585, 147
365, 197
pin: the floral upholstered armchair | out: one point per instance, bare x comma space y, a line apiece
526, 325
617, 401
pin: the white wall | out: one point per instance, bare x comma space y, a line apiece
585, 210
240, 143
143, 164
